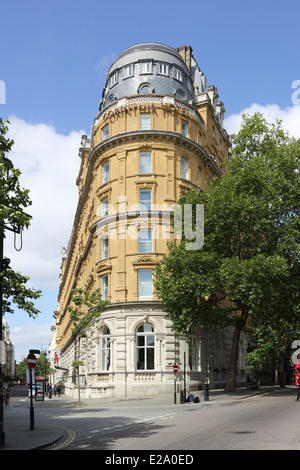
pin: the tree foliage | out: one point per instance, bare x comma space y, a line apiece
250, 257
85, 310
15, 291
43, 366
14, 200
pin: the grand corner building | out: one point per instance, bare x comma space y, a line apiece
158, 133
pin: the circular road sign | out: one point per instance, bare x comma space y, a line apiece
175, 368
31, 361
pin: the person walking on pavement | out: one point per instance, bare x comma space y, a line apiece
7, 394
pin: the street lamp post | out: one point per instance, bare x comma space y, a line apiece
2, 435
206, 386
8, 165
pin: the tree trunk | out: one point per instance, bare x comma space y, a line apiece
230, 384
78, 384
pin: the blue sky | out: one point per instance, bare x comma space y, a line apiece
54, 56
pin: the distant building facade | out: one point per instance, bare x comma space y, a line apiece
158, 133
8, 362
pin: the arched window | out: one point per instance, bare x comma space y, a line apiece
179, 94
145, 347
111, 99
144, 89
105, 349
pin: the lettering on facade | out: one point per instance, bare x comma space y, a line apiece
140, 309
127, 109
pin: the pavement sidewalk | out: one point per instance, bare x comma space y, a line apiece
19, 436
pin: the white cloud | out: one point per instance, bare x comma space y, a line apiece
30, 336
106, 61
290, 118
49, 164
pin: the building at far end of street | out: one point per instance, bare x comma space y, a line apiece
8, 363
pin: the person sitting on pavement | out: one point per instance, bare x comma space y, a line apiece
190, 398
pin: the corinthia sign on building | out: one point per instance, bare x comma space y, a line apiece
158, 133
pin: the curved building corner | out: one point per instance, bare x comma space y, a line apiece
157, 134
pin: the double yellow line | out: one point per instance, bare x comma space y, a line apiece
70, 437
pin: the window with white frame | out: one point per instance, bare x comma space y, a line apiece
145, 284
105, 352
184, 168
104, 207
105, 172
128, 71
114, 79
163, 69
146, 67
145, 121
177, 74
104, 247
105, 132
184, 128
145, 244
145, 347
145, 199
145, 162
104, 286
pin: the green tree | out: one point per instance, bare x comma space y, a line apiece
250, 257
43, 366
14, 200
85, 310
21, 368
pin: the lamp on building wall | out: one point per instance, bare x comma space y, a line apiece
206, 385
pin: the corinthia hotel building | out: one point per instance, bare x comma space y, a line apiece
158, 133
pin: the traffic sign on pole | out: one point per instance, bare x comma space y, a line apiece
175, 368
31, 361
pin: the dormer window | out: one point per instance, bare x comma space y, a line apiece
177, 74
163, 69
128, 71
146, 67
114, 79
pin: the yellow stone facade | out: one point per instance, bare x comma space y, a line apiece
145, 150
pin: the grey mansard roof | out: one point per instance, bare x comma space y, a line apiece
166, 74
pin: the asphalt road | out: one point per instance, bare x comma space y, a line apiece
262, 422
